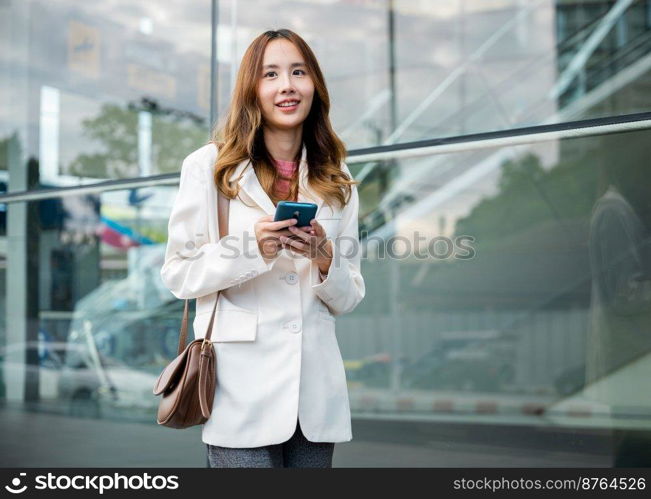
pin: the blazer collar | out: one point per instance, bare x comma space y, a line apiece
250, 184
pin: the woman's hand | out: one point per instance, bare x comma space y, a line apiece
310, 242
268, 232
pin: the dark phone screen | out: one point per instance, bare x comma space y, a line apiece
304, 212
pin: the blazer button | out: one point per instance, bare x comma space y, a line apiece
294, 327
291, 277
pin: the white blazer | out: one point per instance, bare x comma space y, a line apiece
274, 332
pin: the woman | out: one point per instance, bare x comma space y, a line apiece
281, 396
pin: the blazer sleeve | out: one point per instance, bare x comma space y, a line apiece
344, 287
193, 265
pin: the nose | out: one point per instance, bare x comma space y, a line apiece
286, 84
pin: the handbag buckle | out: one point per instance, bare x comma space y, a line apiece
204, 343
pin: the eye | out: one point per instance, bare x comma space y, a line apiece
273, 72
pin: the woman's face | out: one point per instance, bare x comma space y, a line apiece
284, 77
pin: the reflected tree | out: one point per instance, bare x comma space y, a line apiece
174, 135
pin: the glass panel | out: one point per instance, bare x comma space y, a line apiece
105, 325
499, 65
525, 306
119, 92
113, 92
461, 66
510, 286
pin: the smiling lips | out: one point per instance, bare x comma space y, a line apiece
288, 105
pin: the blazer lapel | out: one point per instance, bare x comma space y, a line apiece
250, 184
305, 193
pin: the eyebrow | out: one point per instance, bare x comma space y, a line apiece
275, 66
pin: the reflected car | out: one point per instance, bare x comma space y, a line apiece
122, 349
72, 383
99, 386
373, 371
474, 366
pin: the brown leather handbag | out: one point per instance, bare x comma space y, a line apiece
187, 384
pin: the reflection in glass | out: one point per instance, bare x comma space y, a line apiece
109, 93
545, 323
619, 347
485, 285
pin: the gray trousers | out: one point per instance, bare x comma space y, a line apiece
297, 452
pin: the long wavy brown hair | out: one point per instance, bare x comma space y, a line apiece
239, 135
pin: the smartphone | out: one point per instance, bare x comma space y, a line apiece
303, 212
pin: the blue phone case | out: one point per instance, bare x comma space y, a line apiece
289, 209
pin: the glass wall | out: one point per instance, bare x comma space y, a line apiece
104, 92
508, 282
518, 290
101, 335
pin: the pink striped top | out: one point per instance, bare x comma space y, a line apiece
286, 170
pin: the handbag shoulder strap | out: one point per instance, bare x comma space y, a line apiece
223, 206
